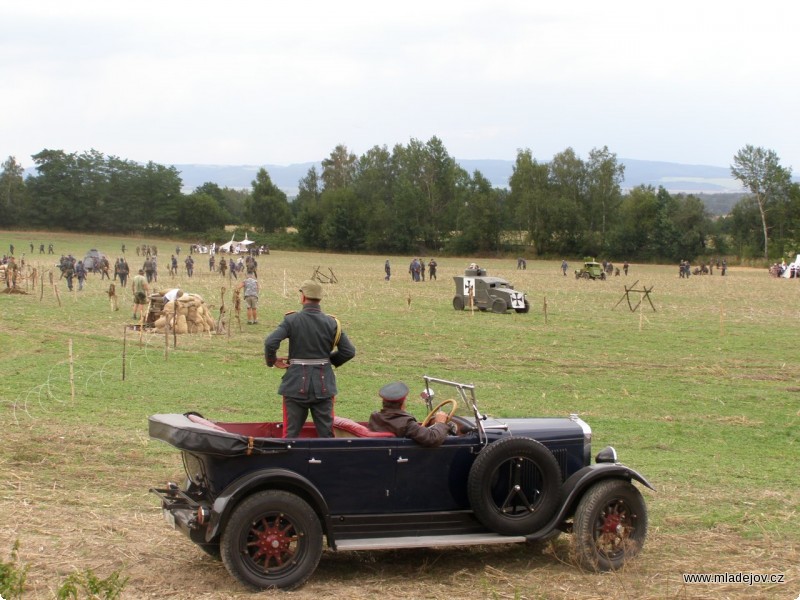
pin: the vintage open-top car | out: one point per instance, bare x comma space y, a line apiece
266, 504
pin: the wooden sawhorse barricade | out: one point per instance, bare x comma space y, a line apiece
645, 294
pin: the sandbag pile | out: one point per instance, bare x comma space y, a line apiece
193, 315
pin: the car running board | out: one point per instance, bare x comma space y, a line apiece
427, 541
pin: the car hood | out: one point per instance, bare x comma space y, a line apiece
543, 429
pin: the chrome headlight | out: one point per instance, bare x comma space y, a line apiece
606, 455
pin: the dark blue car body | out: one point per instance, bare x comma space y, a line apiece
264, 502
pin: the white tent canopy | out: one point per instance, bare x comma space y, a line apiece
234, 247
787, 271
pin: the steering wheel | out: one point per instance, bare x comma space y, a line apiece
429, 419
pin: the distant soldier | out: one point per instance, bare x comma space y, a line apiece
68, 272
149, 269
223, 266
140, 291
12, 272
189, 262
211, 263
388, 270
124, 271
80, 273
104, 267
432, 270
564, 267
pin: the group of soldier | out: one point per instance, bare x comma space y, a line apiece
50, 249
417, 269
685, 268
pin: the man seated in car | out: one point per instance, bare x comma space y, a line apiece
393, 417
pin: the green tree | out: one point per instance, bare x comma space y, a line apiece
158, 191
55, 190
308, 213
568, 181
483, 211
338, 170
199, 212
267, 208
760, 171
13, 193
745, 228
692, 221
604, 176
636, 231
343, 223
529, 197
221, 197
374, 183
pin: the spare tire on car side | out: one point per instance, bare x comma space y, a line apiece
514, 486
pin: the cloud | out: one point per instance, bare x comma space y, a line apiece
254, 82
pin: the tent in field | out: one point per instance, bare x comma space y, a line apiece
792, 267
233, 247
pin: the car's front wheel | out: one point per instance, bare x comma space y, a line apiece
458, 303
272, 540
499, 305
610, 525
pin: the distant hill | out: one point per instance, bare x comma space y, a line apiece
674, 177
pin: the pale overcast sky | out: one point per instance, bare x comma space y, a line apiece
259, 82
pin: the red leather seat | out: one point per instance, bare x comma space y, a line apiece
348, 428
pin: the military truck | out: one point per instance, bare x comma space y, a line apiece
487, 293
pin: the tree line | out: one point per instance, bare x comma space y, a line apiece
416, 198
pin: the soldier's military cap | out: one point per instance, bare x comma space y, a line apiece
311, 289
394, 392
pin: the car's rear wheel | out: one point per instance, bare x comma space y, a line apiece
458, 302
514, 486
272, 540
499, 305
610, 525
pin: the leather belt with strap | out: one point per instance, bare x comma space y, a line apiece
309, 361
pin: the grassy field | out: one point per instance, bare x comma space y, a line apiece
702, 396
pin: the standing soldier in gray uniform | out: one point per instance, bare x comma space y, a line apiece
251, 288
316, 345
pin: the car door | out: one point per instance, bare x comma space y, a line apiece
354, 475
432, 479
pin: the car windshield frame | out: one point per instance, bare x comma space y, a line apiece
467, 401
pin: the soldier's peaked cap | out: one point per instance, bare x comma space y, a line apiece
394, 392
311, 289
